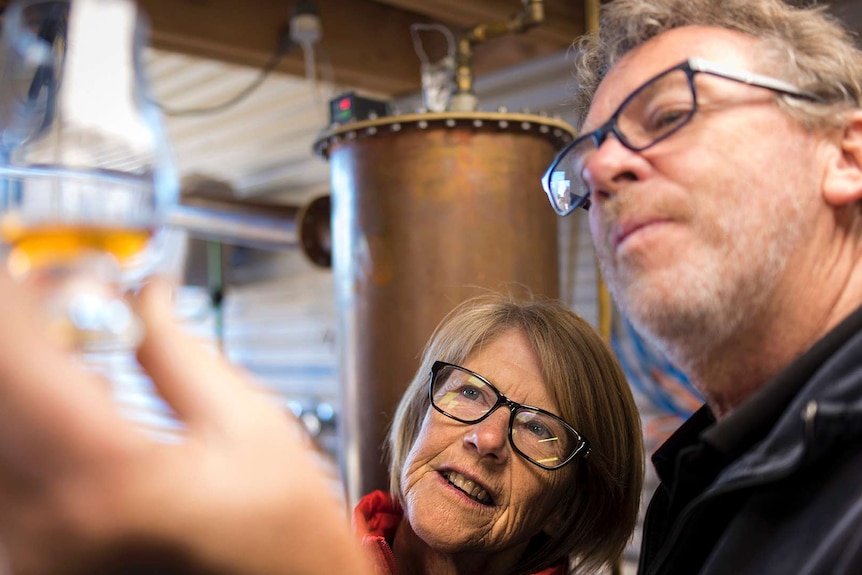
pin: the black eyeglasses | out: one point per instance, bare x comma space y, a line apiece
653, 112
537, 435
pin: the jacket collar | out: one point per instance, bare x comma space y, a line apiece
768, 432
798, 415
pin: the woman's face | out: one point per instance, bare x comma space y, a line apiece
465, 489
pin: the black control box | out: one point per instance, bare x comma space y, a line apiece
349, 107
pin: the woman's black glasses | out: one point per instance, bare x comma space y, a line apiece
537, 435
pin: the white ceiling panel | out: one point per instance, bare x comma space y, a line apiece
261, 145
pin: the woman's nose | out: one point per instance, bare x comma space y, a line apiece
490, 437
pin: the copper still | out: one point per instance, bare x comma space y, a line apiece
427, 210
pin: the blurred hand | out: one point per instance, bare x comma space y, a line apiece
84, 491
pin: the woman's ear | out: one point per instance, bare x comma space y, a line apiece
842, 183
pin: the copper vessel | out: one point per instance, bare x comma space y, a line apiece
427, 210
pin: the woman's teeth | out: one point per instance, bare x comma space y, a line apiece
469, 487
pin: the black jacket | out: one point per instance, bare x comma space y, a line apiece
775, 487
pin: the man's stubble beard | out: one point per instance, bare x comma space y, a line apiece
694, 306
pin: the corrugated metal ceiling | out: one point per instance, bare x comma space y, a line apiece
261, 145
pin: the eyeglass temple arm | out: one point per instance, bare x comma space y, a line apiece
751, 78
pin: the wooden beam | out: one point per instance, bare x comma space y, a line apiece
564, 19
367, 44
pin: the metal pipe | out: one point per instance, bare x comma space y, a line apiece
605, 308
213, 224
592, 12
464, 99
260, 226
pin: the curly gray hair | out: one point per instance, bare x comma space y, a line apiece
808, 47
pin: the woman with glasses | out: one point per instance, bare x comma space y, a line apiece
515, 449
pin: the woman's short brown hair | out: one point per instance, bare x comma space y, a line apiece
589, 387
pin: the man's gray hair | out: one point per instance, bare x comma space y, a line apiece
807, 46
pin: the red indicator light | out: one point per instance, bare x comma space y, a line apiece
344, 104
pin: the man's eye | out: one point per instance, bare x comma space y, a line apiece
667, 119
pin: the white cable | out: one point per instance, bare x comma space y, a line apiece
311, 76
306, 30
417, 40
438, 78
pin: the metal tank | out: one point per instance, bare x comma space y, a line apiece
427, 210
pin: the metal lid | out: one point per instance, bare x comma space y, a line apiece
556, 130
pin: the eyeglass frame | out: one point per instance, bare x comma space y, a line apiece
691, 67
583, 448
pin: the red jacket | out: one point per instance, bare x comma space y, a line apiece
375, 521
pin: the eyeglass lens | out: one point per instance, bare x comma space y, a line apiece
650, 114
541, 437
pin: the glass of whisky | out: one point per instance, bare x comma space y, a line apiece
85, 170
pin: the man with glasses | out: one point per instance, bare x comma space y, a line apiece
720, 159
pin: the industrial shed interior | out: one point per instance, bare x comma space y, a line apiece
335, 157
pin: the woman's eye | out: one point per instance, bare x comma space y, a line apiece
470, 393
538, 430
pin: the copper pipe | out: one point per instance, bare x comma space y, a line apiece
592, 10
592, 14
464, 99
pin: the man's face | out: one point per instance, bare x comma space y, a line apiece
695, 235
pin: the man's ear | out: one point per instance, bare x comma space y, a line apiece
842, 183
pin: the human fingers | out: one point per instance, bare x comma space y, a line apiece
48, 404
198, 383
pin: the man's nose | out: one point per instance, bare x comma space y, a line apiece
609, 166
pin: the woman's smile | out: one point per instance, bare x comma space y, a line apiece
469, 487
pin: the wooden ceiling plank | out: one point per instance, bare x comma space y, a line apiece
367, 44
564, 19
